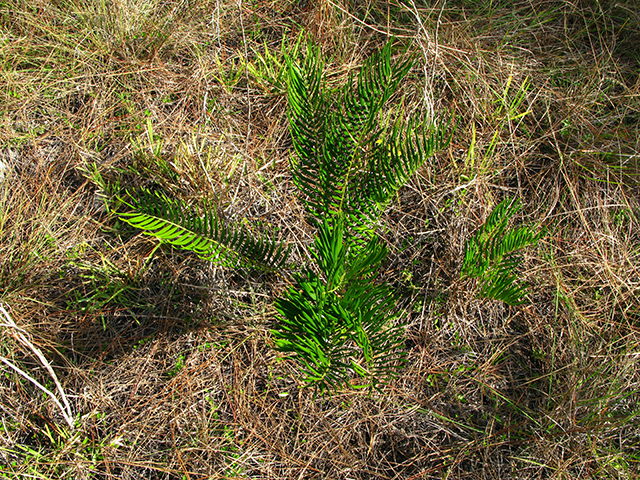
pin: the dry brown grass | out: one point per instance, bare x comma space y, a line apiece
167, 360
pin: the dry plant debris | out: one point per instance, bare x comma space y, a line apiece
166, 362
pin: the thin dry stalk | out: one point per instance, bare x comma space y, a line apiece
20, 335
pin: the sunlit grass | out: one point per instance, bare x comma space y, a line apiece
188, 97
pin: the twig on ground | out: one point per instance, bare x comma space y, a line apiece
20, 336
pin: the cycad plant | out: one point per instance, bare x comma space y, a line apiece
349, 164
337, 320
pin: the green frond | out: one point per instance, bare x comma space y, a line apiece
502, 285
491, 254
395, 160
363, 97
347, 163
308, 125
328, 333
340, 324
205, 235
329, 252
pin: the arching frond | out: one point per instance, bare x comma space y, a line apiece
204, 234
348, 164
339, 324
491, 254
395, 160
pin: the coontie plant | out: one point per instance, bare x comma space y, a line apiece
349, 164
352, 154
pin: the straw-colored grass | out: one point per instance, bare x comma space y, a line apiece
167, 361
